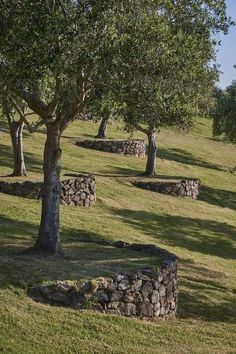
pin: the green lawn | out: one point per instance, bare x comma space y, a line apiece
202, 233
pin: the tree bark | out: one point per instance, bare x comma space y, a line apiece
152, 151
49, 232
102, 129
16, 130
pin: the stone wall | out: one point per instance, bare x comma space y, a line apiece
80, 191
145, 293
187, 188
127, 147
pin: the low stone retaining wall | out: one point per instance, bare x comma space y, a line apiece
127, 147
188, 188
79, 191
146, 293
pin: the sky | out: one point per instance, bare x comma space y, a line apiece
226, 55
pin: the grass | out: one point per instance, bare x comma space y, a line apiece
202, 233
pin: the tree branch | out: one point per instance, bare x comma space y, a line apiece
141, 129
31, 98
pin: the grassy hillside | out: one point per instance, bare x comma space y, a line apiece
202, 233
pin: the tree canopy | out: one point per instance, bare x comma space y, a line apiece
224, 113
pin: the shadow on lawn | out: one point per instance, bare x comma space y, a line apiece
31, 161
202, 296
181, 156
87, 255
218, 197
197, 235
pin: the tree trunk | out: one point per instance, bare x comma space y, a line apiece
102, 129
49, 232
152, 151
16, 130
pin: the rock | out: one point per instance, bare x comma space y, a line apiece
64, 288
44, 289
59, 297
137, 297
136, 285
156, 309
162, 290
154, 298
162, 311
156, 284
100, 296
129, 297
123, 285
146, 309
116, 296
129, 309
147, 289
84, 287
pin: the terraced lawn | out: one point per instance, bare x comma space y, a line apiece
202, 233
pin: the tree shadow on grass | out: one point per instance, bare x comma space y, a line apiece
86, 255
218, 197
118, 172
31, 161
183, 157
196, 235
202, 295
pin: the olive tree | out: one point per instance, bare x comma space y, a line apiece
54, 54
161, 70
224, 113
49, 55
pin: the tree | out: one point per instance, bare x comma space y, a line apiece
55, 54
16, 126
102, 128
161, 72
224, 113
15, 110
51, 55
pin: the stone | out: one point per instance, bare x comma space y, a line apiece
137, 297
136, 285
129, 309
123, 285
156, 309
162, 290
129, 297
100, 296
116, 296
59, 297
154, 298
146, 309
147, 289
64, 288
156, 284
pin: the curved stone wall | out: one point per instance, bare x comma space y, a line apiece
146, 293
80, 191
187, 188
127, 147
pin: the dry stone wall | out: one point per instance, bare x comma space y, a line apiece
187, 188
146, 293
80, 191
127, 147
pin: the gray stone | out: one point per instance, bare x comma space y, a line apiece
123, 285
136, 285
146, 309
100, 296
154, 298
129, 309
116, 296
162, 290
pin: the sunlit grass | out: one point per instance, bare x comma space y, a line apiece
202, 233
